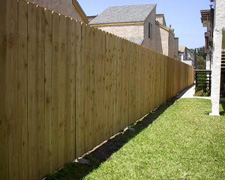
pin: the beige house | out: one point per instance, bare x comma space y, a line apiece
176, 47
166, 42
186, 55
135, 23
70, 8
141, 25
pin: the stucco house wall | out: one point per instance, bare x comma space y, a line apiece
164, 41
176, 48
127, 32
171, 52
158, 41
64, 7
160, 19
150, 42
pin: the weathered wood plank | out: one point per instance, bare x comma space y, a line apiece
22, 90
77, 80
124, 84
40, 88
86, 60
55, 98
11, 90
92, 88
118, 123
80, 138
67, 102
70, 87
62, 89
111, 83
132, 85
48, 91
97, 86
73, 90
4, 164
32, 91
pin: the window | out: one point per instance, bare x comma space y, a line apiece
149, 30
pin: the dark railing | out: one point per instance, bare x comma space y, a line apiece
203, 82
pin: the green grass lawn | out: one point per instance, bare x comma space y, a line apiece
183, 143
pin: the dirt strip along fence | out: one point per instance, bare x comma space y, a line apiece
66, 87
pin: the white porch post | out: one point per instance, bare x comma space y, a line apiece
216, 68
208, 62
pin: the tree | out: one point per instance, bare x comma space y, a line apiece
201, 52
200, 58
201, 63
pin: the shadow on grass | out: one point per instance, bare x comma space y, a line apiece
222, 113
78, 170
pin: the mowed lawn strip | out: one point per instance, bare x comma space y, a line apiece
183, 143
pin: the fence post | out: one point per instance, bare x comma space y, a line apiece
3, 122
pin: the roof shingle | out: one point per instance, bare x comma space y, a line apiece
124, 14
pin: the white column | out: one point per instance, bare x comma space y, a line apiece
216, 72
208, 62
216, 68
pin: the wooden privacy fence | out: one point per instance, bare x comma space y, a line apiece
66, 87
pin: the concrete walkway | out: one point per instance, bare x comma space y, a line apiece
189, 93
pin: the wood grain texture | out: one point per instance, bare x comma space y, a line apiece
22, 90
80, 134
32, 98
39, 77
4, 164
55, 87
48, 92
11, 90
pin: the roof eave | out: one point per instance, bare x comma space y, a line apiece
80, 11
117, 24
164, 27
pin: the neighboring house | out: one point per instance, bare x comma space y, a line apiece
90, 18
166, 42
135, 23
70, 8
141, 25
176, 47
207, 18
186, 55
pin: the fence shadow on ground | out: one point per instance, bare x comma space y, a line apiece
78, 170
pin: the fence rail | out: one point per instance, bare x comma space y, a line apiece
66, 87
203, 81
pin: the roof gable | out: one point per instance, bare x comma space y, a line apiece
161, 19
124, 14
